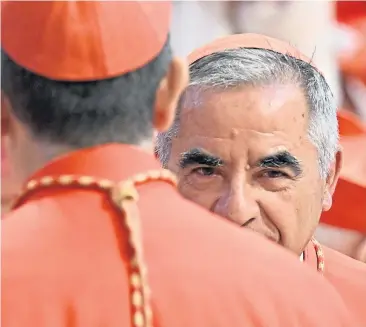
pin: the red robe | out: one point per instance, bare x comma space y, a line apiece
348, 277
66, 258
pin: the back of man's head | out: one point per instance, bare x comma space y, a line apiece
80, 74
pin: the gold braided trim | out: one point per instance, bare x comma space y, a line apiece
123, 196
319, 255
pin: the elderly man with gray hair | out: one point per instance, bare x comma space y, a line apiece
255, 140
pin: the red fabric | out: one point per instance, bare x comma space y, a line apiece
83, 40
347, 276
349, 207
64, 259
347, 11
349, 124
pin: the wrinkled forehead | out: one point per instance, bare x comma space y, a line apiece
245, 121
215, 112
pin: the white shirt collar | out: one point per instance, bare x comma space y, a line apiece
302, 257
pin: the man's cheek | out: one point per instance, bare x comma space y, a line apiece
282, 209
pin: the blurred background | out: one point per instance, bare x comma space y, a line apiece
333, 33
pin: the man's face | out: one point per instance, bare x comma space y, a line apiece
245, 155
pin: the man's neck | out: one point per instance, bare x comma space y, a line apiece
40, 154
36, 155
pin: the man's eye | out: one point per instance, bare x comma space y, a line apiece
204, 171
274, 174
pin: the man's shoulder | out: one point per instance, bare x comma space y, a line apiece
176, 221
19, 221
182, 242
32, 229
218, 260
344, 271
23, 230
349, 278
340, 264
20, 246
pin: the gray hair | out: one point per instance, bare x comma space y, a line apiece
249, 66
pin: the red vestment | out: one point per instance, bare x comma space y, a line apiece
65, 258
348, 277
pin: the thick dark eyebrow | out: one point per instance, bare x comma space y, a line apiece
283, 159
198, 156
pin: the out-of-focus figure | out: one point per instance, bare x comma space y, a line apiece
344, 226
351, 52
197, 22
307, 25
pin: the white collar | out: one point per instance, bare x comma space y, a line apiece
302, 257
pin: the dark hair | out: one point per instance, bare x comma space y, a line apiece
81, 114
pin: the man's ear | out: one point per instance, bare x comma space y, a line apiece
168, 94
332, 180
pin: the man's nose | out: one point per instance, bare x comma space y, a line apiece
239, 206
